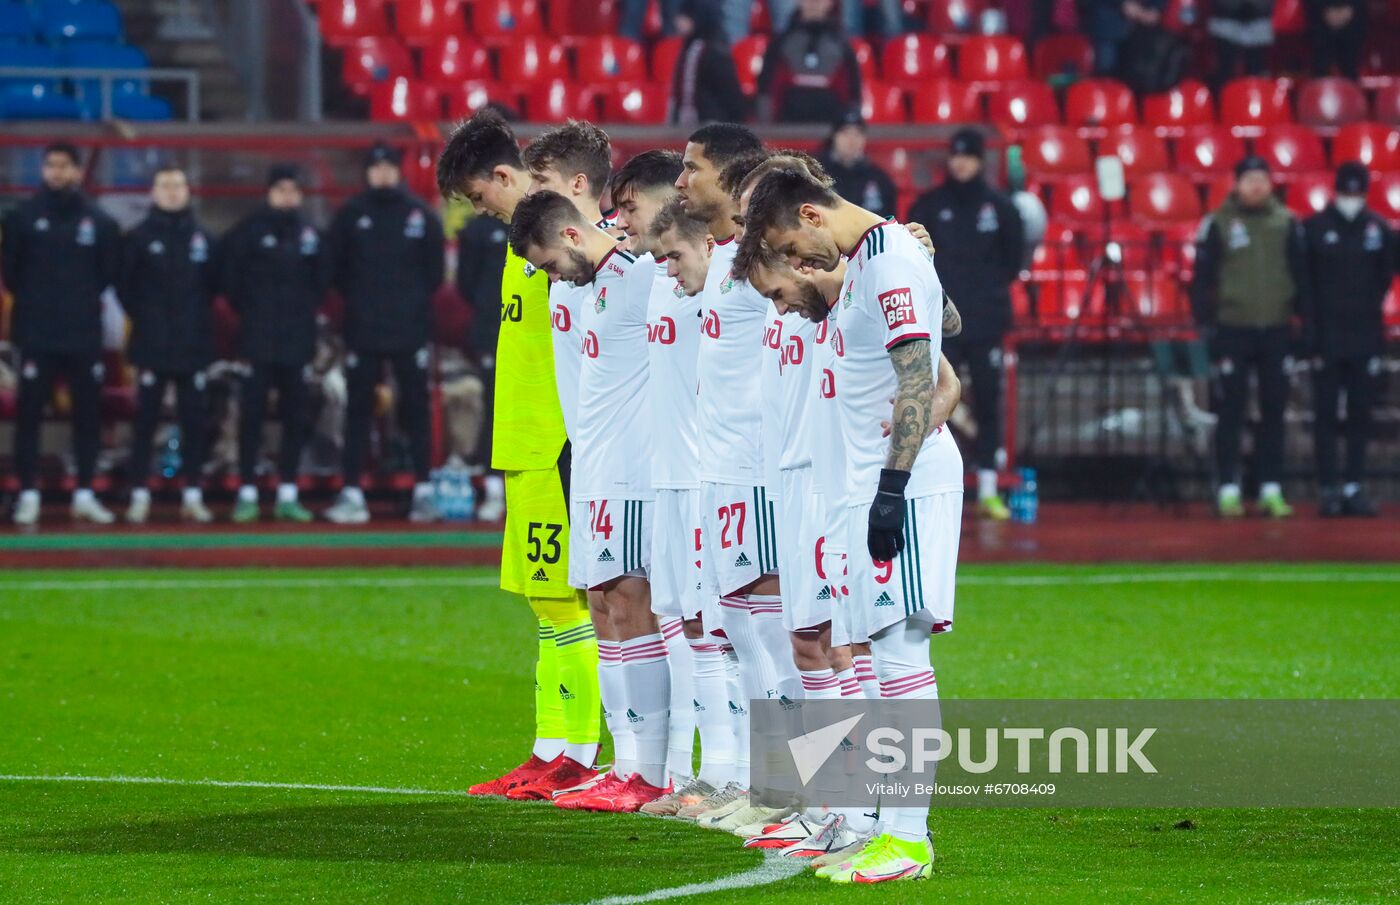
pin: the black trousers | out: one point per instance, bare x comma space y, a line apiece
1357, 378
83, 372
984, 365
191, 413
363, 371
1236, 353
1340, 47
1229, 55
292, 409
481, 456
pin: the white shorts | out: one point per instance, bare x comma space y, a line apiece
922, 577
738, 536
807, 600
675, 554
616, 539
578, 541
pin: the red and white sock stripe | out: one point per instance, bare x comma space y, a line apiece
864, 667
764, 605
701, 646
609, 651
670, 628
645, 649
824, 680
850, 685
908, 685
734, 602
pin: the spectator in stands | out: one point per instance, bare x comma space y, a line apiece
1250, 272
481, 258
634, 17
168, 281
386, 253
1336, 31
809, 70
1351, 261
1243, 31
738, 14
59, 253
276, 274
1110, 22
705, 87
977, 236
858, 180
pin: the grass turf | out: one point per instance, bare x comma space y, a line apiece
429, 687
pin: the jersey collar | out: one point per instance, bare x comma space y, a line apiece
856, 247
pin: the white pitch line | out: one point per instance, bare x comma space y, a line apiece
227, 784
773, 869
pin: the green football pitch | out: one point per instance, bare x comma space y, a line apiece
309, 728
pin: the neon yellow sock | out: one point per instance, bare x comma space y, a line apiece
549, 710
576, 648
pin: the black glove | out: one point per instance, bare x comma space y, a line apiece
885, 537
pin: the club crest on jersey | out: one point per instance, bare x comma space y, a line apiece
87, 232
1372, 242
850, 291
601, 303
364, 222
269, 241
898, 308
414, 227
529, 269
727, 285
41, 225
987, 218
309, 240
157, 247
199, 248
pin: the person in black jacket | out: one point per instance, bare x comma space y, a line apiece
977, 239
705, 86
810, 70
386, 253
167, 286
481, 258
59, 252
275, 276
857, 179
1351, 260
1337, 32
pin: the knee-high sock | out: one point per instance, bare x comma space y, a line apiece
680, 743
901, 653
756, 673
711, 708
612, 687
820, 684
549, 710
850, 685
766, 614
864, 665
577, 649
648, 696
739, 715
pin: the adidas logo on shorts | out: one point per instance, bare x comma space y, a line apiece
606, 556
825, 593
539, 576
742, 561
632, 716
884, 600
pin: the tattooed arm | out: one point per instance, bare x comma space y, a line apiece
952, 318
913, 402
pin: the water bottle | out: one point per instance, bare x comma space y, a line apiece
1025, 498
453, 493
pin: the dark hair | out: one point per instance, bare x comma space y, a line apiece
647, 171
725, 142
752, 254
538, 218
777, 196
673, 216
786, 158
477, 147
66, 148
575, 147
734, 172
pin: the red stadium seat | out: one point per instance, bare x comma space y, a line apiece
1309, 193
502, 21
1288, 17
1062, 55
424, 22
748, 60
342, 21
1139, 148
560, 99
882, 103
1379, 65
643, 103
1160, 199
1388, 105
954, 16
1099, 102
944, 101
404, 99
465, 98
370, 61
454, 60
1075, 200
1218, 189
1384, 196
1375, 145
865, 59
1205, 150
1171, 112
606, 59
664, 55
1057, 252
1331, 102
1250, 104
1291, 149
1051, 152
913, 60
533, 59
1179, 248
1021, 105
992, 58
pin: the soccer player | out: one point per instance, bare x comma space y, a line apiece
482, 162
612, 475
907, 486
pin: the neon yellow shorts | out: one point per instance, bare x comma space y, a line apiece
535, 551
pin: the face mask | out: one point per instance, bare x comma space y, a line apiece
1350, 205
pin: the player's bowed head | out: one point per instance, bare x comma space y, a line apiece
549, 232
793, 213
482, 163
685, 243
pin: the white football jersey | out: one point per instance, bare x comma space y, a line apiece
824, 422
728, 373
612, 452
787, 350
673, 340
892, 295
564, 301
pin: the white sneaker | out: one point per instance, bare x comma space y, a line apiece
27, 509
195, 511
761, 826
841, 853
347, 512
788, 832
139, 510
753, 814
836, 835
423, 511
91, 510
710, 820
493, 507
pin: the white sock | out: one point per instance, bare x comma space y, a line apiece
140, 494
1228, 490
286, 493
494, 486
355, 495
711, 708
648, 690
31, 497
422, 490
612, 690
775, 642
193, 495
547, 749
850, 685
247, 494
1351, 488
1270, 489
738, 703
864, 665
902, 654
83, 496
585, 753
820, 684
986, 483
680, 740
